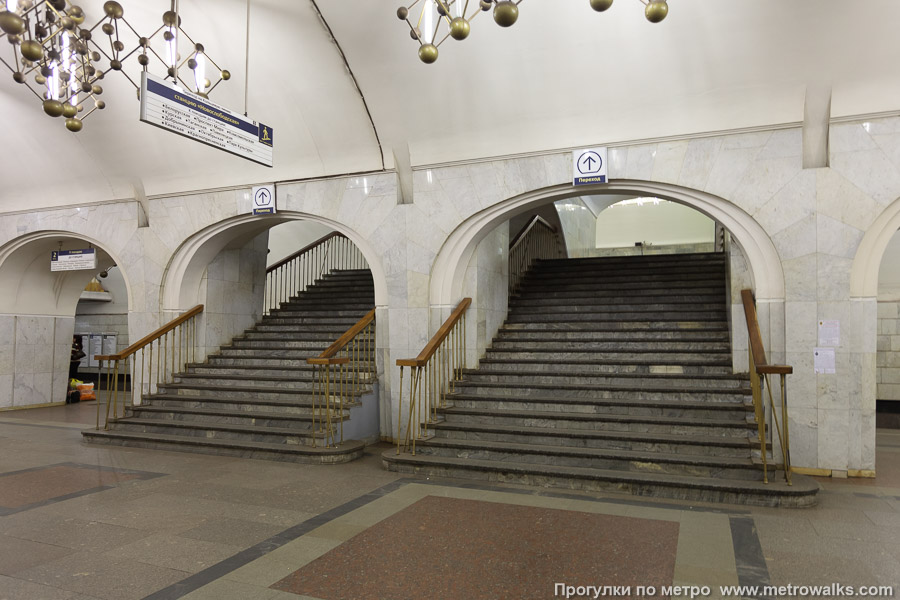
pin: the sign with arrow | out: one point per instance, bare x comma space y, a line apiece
264, 200
589, 166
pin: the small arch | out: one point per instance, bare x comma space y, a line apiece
450, 265
181, 281
867, 262
37, 291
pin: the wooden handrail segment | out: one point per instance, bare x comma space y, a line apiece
152, 337
304, 250
329, 353
756, 345
528, 227
438, 338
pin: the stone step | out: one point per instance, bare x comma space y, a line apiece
736, 447
217, 431
623, 319
623, 308
345, 452
662, 260
617, 326
219, 360
658, 392
659, 302
651, 365
249, 416
324, 312
622, 288
608, 280
593, 458
647, 294
619, 346
268, 350
276, 373
705, 489
328, 323
241, 392
553, 336
245, 381
292, 405
606, 422
256, 341
637, 381
732, 411
553, 354
333, 331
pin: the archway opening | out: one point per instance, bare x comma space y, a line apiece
40, 314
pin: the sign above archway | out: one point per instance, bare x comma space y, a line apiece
589, 166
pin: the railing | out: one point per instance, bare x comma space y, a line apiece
537, 240
342, 371
759, 383
432, 376
175, 345
298, 271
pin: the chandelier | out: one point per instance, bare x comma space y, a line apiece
439, 20
59, 59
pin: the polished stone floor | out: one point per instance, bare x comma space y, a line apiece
82, 522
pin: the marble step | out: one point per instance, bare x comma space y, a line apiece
663, 259
333, 329
652, 365
242, 392
621, 288
292, 382
617, 326
245, 418
562, 353
345, 452
302, 372
220, 360
657, 302
623, 308
329, 322
733, 411
737, 447
661, 346
593, 458
569, 390
319, 312
554, 336
607, 280
313, 348
217, 431
298, 332
637, 381
646, 295
606, 422
328, 302
705, 489
623, 319
292, 405
263, 350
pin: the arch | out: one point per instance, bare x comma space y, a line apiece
181, 281
55, 294
867, 262
765, 265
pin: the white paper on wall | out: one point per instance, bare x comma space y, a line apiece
829, 334
824, 360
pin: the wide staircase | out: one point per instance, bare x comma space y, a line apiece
610, 374
254, 398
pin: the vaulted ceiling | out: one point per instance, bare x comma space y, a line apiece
563, 76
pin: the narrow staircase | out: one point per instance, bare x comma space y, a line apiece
610, 374
253, 398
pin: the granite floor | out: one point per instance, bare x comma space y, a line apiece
83, 522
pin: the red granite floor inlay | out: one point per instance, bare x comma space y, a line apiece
31, 487
449, 549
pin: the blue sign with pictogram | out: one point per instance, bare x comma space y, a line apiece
589, 166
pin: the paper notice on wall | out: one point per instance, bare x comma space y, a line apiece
824, 360
829, 334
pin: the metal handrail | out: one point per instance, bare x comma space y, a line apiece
295, 273
343, 369
760, 367
433, 374
176, 346
537, 240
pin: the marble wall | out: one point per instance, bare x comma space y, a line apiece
487, 278
579, 227
34, 359
799, 230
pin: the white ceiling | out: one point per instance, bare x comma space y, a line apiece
563, 76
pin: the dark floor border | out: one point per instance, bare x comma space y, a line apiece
751, 562
140, 476
748, 555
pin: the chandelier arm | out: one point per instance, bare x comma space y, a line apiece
26, 85
413, 30
158, 57
443, 39
214, 86
446, 8
132, 28
89, 113
437, 25
187, 36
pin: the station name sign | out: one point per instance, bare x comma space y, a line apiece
175, 109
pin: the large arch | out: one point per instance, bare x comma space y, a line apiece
450, 264
181, 281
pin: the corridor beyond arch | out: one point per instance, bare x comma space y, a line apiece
448, 273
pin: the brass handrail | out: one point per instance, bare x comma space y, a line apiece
759, 366
295, 273
173, 352
537, 240
343, 369
433, 374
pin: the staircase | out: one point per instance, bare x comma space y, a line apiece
254, 398
610, 374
